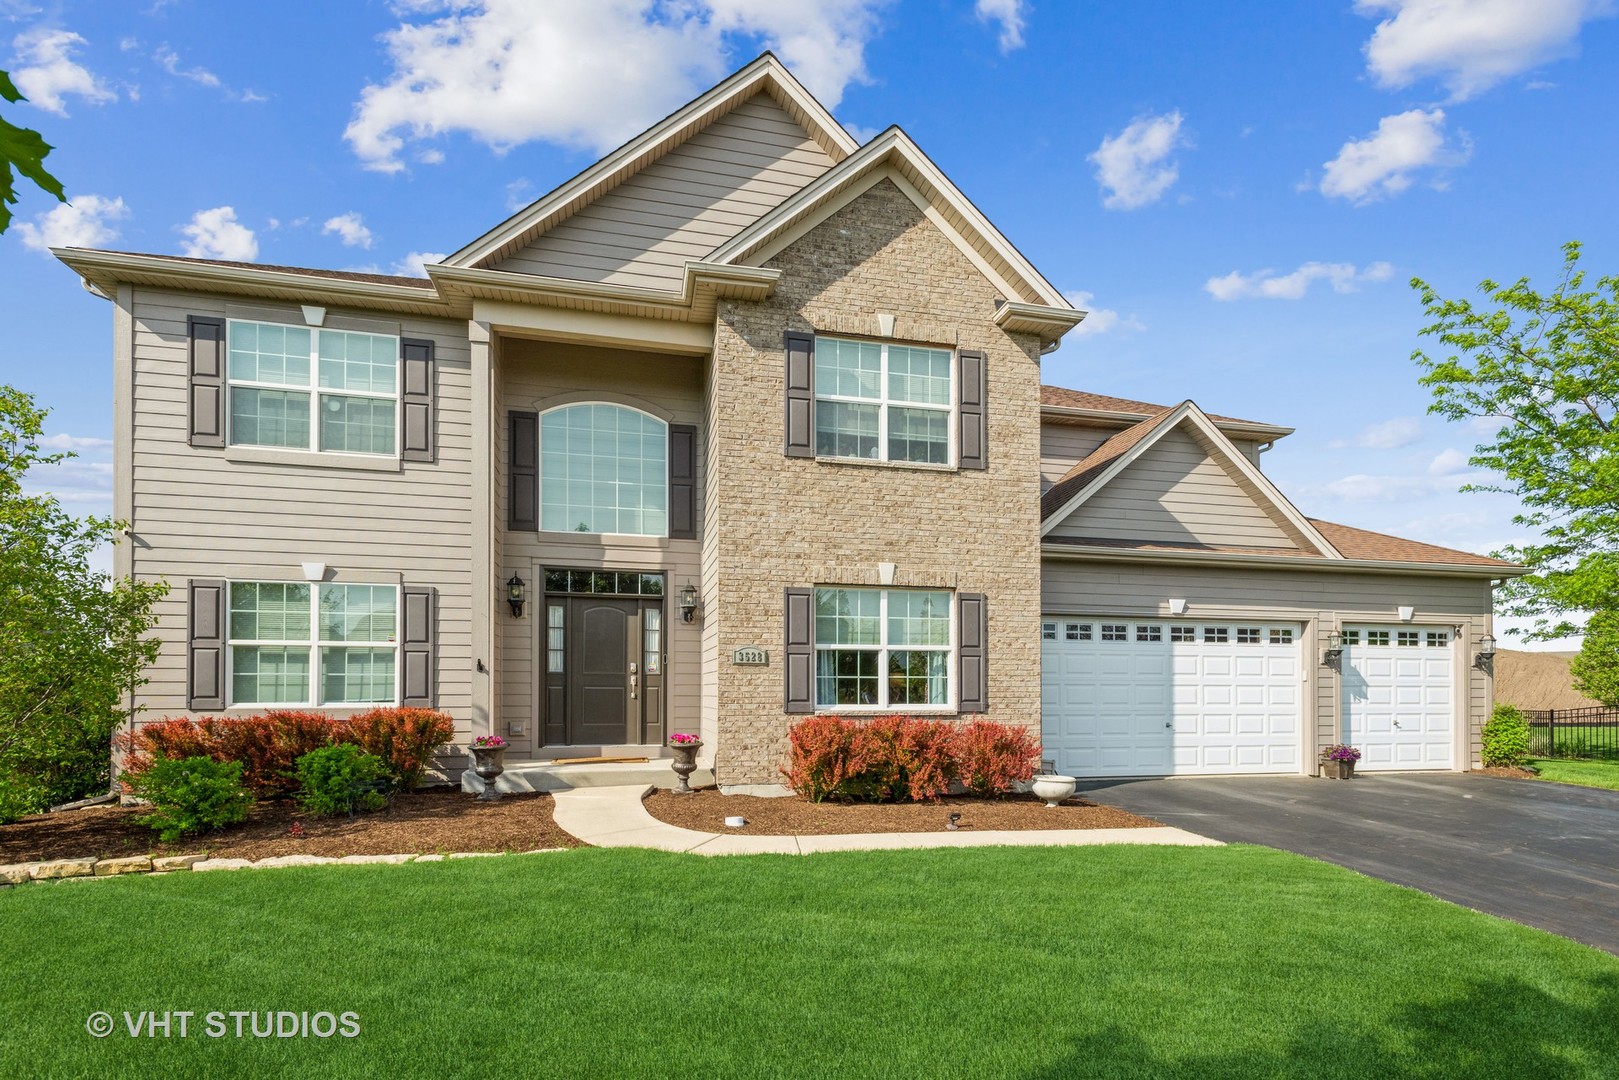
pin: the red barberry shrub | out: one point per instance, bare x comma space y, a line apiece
404, 738
992, 757
267, 746
823, 758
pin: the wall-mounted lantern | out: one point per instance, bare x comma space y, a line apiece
1334, 656
515, 589
1484, 659
688, 602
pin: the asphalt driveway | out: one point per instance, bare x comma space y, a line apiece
1538, 853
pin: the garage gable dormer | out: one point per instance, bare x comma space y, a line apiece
1176, 480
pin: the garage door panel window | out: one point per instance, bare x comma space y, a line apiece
877, 648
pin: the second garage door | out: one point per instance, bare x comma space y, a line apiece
1131, 698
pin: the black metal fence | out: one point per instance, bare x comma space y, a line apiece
1574, 733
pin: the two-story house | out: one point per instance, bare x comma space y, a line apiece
743, 422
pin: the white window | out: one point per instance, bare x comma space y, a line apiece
1115, 632
292, 643
604, 469
1149, 633
883, 402
1281, 636
308, 388
1248, 635
1048, 631
882, 647
1183, 633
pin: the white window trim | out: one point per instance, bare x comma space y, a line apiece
315, 390
882, 650
539, 458
883, 402
313, 643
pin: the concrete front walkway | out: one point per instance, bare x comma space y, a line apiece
615, 817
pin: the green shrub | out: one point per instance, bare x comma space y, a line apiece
342, 779
19, 797
1506, 738
189, 795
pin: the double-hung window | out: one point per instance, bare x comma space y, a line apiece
882, 647
308, 388
882, 402
293, 643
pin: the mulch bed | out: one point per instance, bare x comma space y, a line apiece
792, 815
1510, 773
422, 822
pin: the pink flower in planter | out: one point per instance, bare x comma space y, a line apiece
683, 739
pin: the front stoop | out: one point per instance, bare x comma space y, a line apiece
615, 817
526, 776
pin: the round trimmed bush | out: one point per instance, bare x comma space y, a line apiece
1506, 738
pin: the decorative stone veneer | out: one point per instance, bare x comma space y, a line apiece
777, 522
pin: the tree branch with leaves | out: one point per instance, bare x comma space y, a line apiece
22, 150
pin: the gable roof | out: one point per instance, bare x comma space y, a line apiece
1107, 461
1364, 544
764, 75
1033, 303
1061, 397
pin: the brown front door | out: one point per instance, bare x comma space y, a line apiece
609, 691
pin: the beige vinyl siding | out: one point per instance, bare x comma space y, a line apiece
683, 206
1321, 600
1064, 445
536, 376
1174, 493
196, 514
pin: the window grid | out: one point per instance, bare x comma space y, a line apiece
883, 647
1149, 633
1115, 632
1281, 636
291, 644
881, 402
604, 469
1183, 633
652, 624
1438, 638
289, 388
1377, 637
1408, 639
1248, 635
1048, 631
554, 650
1216, 635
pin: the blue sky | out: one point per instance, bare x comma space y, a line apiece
1238, 192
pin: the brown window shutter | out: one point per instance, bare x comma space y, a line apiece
205, 645
800, 371
418, 647
206, 398
972, 426
682, 482
798, 651
972, 653
418, 407
523, 472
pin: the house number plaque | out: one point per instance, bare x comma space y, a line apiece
750, 656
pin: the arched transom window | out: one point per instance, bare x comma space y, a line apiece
604, 469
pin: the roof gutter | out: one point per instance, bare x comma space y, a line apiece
1271, 432
1080, 552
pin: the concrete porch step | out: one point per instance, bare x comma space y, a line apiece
523, 776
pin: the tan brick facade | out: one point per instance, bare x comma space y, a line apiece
776, 522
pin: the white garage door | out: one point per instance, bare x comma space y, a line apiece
1399, 698
1128, 698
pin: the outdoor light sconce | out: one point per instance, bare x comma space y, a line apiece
1334, 656
688, 602
1484, 659
514, 595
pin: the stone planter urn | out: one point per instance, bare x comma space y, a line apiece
685, 763
489, 762
1333, 769
1053, 788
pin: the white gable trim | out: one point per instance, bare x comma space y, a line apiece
764, 74
1188, 412
892, 155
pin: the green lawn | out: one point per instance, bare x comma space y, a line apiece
1101, 962
1597, 743
1602, 774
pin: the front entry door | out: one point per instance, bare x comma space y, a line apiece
603, 693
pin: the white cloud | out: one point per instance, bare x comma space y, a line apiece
1009, 13
519, 193
1364, 488
83, 221
349, 228
1470, 45
1388, 435
73, 442
414, 264
1268, 285
1133, 166
1448, 463
169, 60
216, 234
46, 72
585, 73
1382, 163
1099, 320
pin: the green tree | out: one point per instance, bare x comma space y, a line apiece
1596, 668
23, 150
72, 641
1545, 367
